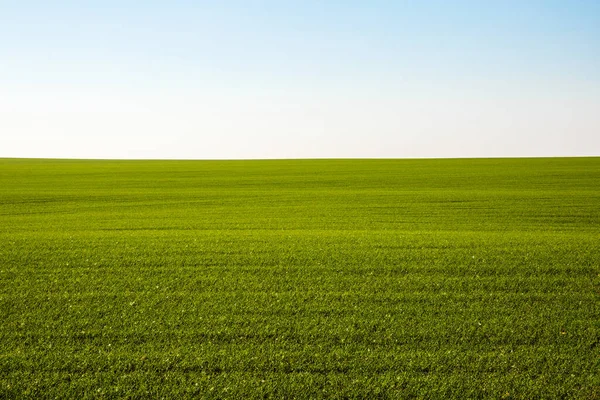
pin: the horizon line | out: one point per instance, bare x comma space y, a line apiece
296, 158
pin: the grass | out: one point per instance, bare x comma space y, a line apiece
474, 278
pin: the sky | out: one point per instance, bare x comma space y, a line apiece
245, 79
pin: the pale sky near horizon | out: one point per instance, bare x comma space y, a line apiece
299, 79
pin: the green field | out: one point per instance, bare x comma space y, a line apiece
474, 278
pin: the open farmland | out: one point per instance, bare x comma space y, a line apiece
301, 278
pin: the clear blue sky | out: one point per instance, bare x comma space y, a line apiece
279, 79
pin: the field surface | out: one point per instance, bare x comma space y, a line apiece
300, 279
